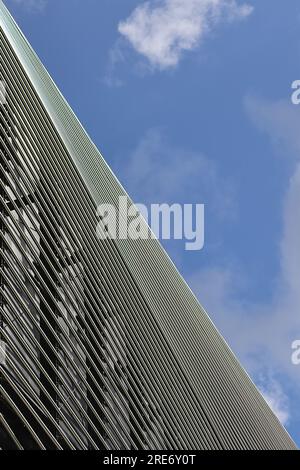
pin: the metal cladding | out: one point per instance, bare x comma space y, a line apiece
102, 343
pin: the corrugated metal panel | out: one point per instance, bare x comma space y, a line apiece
105, 344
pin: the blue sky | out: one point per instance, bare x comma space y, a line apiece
201, 98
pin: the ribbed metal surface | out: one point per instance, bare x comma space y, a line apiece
103, 345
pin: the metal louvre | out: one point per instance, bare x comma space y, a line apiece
103, 346
30, 191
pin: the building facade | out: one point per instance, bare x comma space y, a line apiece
102, 343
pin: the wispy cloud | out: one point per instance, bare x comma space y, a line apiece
157, 171
32, 5
163, 29
115, 57
265, 330
279, 120
275, 397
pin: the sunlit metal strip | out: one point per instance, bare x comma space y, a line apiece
191, 350
27, 293
28, 244
30, 353
24, 289
35, 341
10, 432
27, 425
24, 207
40, 279
58, 373
41, 369
30, 408
41, 405
34, 407
35, 399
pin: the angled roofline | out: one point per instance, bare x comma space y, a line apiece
194, 340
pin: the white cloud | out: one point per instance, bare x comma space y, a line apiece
259, 333
115, 56
276, 398
265, 330
280, 120
162, 30
158, 172
32, 5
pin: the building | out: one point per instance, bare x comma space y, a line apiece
103, 345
